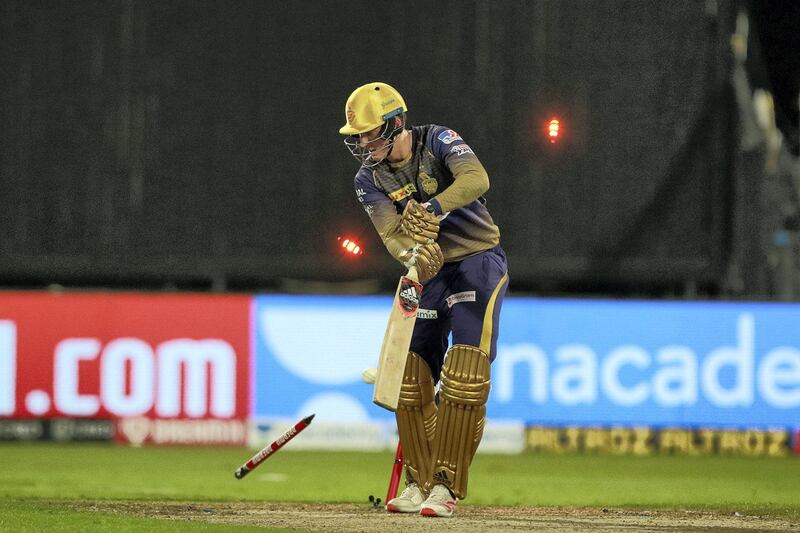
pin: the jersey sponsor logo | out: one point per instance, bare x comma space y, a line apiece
403, 192
448, 136
461, 149
360, 192
427, 314
429, 184
460, 297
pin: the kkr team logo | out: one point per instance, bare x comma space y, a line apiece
429, 184
408, 296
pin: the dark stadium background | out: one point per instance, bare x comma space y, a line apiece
193, 145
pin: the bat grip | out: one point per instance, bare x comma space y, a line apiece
412, 273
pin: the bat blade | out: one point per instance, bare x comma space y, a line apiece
397, 340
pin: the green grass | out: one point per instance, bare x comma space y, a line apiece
34, 478
37, 515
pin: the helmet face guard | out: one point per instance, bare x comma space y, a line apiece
375, 105
363, 151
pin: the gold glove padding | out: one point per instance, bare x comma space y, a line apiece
462, 415
419, 223
428, 259
416, 419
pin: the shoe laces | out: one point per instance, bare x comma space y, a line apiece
409, 491
440, 493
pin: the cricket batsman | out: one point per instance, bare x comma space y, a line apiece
422, 188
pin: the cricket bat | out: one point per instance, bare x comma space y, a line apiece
397, 340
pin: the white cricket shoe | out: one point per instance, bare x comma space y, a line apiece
439, 503
409, 500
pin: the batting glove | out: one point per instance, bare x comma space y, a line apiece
419, 222
428, 259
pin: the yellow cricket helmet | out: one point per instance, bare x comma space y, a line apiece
370, 106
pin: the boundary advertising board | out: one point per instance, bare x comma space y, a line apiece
168, 368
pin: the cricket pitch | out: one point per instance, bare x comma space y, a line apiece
363, 518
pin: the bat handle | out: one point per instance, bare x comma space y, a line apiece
412, 273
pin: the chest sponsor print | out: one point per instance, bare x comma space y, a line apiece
403, 192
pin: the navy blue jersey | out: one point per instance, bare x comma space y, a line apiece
443, 170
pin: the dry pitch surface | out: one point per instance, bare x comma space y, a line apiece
353, 518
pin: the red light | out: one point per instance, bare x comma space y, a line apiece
350, 246
553, 130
